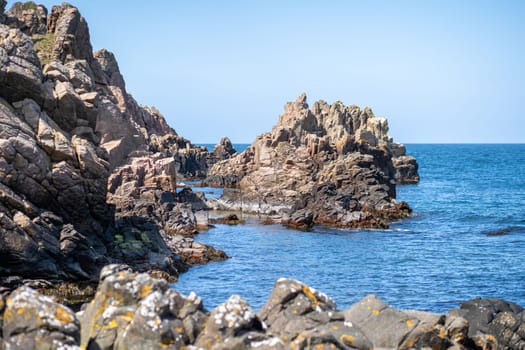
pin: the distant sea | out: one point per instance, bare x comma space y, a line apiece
239, 147
466, 239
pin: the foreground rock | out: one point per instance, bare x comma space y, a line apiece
136, 311
333, 161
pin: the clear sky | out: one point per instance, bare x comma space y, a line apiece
440, 71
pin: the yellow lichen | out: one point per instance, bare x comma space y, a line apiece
128, 316
63, 315
308, 292
113, 324
347, 339
410, 323
179, 329
144, 291
375, 312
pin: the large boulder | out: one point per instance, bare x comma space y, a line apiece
341, 148
34, 321
53, 192
305, 318
493, 323
234, 325
136, 311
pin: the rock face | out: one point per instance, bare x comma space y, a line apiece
335, 161
67, 122
136, 311
145, 200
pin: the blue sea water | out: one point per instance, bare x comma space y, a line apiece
431, 261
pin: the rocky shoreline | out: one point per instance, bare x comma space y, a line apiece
136, 311
87, 174
93, 228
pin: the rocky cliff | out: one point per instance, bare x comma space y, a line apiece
331, 164
136, 311
67, 124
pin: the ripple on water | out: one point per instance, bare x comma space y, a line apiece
430, 262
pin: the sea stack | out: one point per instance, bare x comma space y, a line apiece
331, 164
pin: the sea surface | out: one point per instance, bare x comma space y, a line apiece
466, 239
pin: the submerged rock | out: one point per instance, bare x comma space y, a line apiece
335, 161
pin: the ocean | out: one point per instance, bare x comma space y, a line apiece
465, 239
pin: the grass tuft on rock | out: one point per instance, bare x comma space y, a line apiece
44, 45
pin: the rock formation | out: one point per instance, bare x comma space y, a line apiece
224, 149
66, 123
137, 311
334, 164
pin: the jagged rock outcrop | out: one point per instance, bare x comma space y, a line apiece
29, 17
137, 311
66, 121
335, 161
223, 150
145, 198
306, 318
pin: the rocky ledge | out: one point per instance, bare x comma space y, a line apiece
332, 164
137, 311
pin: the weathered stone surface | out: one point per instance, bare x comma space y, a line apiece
333, 160
29, 17
20, 74
145, 199
33, 321
108, 64
493, 323
137, 311
71, 32
232, 324
306, 318
390, 328
133, 311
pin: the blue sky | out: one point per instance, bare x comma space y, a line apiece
440, 71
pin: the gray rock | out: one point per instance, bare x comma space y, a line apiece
29, 17
20, 74
133, 311
232, 324
33, 321
493, 323
305, 317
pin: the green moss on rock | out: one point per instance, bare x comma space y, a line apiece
44, 45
